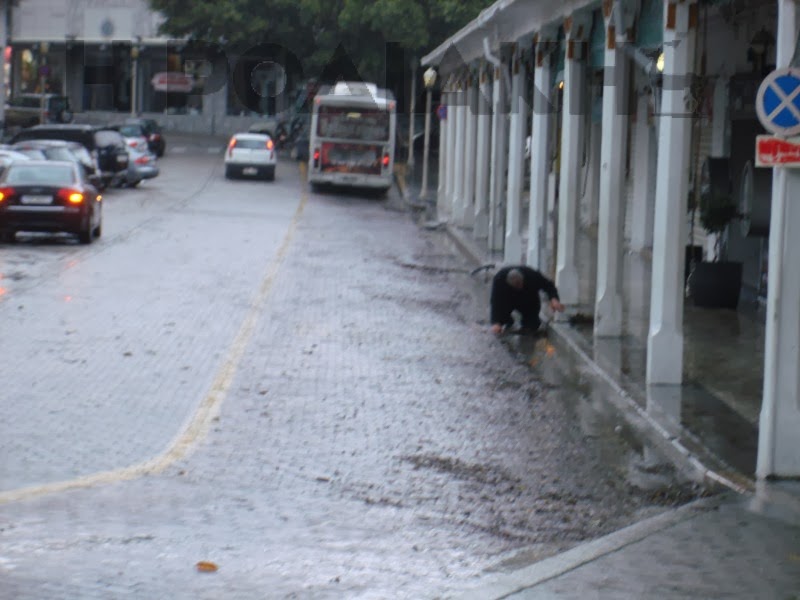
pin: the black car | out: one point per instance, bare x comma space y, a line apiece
29, 109
49, 196
151, 130
106, 146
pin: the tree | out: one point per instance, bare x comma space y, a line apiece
316, 31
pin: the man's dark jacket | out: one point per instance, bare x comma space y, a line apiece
505, 298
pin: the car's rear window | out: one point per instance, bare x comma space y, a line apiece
251, 144
33, 153
59, 154
108, 137
20, 174
131, 130
57, 104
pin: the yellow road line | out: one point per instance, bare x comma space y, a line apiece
197, 428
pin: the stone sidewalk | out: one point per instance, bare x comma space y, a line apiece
729, 546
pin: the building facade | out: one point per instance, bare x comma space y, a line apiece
108, 57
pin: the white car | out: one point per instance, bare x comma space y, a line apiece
251, 154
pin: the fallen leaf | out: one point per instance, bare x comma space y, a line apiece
206, 567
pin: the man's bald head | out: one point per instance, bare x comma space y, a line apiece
515, 279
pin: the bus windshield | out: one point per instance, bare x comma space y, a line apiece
349, 123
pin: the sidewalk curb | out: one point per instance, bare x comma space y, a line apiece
501, 586
635, 415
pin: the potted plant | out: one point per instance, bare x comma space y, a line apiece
718, 282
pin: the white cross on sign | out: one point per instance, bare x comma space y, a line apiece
778, 102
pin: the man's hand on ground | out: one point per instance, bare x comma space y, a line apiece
497, 329
556, 305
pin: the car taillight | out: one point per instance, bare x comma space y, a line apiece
132, 143
142, 160
386, 160
231, 146
270, 144
6, 193
316, 158
71, 196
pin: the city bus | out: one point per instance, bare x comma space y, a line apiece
352, 138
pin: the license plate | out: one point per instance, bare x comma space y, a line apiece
250, 171
36, 199
121, 158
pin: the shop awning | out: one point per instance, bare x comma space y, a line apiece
503, 21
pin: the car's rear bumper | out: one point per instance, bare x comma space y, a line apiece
44, 218
250, 163
255, 169
143, 173
350, 179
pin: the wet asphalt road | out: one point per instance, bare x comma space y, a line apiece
298, 388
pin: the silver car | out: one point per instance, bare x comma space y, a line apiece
142, 165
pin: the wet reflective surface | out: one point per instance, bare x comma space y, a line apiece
370, 437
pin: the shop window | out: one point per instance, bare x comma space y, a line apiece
173, 85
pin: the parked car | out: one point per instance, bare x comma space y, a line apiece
9, 156
151, 130
25, 110
106, 146
49, 196
60, 150
134, 136
250, 154
143, 165
8, 153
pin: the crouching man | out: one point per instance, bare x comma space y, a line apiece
517, 288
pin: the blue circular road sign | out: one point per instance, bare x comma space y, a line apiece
778, 102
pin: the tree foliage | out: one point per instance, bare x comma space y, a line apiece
314, 30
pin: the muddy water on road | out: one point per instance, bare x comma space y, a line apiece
580, 470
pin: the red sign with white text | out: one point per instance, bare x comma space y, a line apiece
777, 152
172, 81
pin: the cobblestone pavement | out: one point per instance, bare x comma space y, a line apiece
368, 439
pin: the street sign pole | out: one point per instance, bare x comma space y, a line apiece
778, 451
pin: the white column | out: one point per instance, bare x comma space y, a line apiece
569, 184
512, 251
778, 447
540, 155
644, 166
665, 341
499, 156
481, 229
590, 204
451, 150
613, 149
441, 185
467, 217
457, 209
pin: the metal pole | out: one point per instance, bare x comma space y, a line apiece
44, 48
426, 149
134, 69
412, 108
